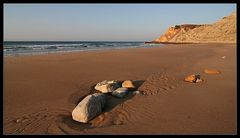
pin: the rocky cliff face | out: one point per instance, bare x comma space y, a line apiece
223, 31
173, 31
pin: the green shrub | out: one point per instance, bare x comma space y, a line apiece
177, 26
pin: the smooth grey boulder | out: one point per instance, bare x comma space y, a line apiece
107, 86
89, 107
120, 92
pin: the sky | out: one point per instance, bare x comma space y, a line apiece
103, 22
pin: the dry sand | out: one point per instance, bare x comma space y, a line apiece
41, 91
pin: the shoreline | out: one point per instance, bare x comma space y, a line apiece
48, 87
109, 49
73, 51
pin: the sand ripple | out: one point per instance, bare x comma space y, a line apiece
39, 122
158, 83
128, 110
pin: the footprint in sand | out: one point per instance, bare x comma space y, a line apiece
157, 83
118, 115
125, 113
37, 122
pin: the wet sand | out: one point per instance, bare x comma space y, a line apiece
41, 91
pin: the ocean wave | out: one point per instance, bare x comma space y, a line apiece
28, 48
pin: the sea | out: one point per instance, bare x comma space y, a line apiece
16, 48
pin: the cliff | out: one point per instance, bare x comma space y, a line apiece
223, 31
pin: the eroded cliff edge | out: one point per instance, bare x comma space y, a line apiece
222, 31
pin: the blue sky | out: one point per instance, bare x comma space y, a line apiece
103, 22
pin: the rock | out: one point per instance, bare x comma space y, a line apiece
136, 92
211, 71
199, 80
89, 107
223, 57
120, 92
18, 120
190, 78
128, 84
193, 78
107, 86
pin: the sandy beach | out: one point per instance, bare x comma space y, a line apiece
41, 91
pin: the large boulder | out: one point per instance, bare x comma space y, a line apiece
89, 107
128, 84
211, 71
120, 92
107, 86
193, 78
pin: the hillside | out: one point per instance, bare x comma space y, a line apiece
222, 31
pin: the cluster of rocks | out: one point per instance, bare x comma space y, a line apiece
93, 104
115, 88
197, 78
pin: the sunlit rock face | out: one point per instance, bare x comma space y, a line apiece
223, 31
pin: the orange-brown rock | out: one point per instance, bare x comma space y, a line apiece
190, 78
193, 78
211, 71
128, 84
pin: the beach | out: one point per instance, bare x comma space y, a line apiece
40, 91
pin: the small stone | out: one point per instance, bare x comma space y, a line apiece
136, 92
128, 84
190, 78
18, 120
193, 78
107, 86
223, 57
120, 92
211, 71
199, 80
